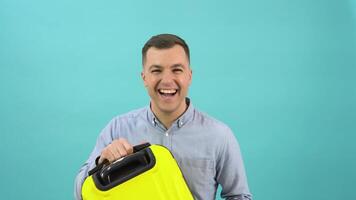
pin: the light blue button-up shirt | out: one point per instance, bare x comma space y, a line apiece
206, 150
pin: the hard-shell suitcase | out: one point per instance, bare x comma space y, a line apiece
151, 172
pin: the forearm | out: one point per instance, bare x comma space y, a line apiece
78, 185
81, 176
103, 140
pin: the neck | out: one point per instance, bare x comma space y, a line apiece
167, 118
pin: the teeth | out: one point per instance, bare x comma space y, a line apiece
167, 91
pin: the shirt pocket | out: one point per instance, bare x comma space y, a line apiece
198, 173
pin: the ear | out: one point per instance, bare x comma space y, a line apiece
190, 75
143, 76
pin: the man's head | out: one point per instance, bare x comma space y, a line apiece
164, 41
166, 73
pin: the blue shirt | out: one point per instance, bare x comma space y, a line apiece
206, 150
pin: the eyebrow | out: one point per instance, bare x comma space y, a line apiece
155, 67
177, 65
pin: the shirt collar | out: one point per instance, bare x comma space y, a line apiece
180, 122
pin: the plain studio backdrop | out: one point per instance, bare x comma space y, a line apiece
281, 74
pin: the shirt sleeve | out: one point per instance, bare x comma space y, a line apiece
231, 171
105, 138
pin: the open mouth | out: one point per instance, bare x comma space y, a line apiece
167, 92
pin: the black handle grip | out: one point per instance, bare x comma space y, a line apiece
140, 147
105, 162
124, 168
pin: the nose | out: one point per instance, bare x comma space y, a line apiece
167, 78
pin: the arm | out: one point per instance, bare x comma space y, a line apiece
89, 164
107, 147
231, 172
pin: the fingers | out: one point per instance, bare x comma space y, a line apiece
117, 149
106, 154
128, 147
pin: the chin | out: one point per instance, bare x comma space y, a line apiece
168, 109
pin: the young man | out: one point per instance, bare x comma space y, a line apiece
205, 149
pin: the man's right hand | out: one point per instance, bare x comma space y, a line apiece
117, 149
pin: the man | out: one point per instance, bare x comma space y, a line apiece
205, 149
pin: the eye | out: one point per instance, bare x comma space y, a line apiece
156, 71
177, 70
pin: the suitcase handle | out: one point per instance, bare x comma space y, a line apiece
125, 168
105, 162
139, 147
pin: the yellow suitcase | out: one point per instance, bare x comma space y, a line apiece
151, 172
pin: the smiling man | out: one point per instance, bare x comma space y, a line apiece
167, 76
206, 150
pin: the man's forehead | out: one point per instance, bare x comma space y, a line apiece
171, 56
175, 48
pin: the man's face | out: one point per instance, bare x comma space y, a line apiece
167, 76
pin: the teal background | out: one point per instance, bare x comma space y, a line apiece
281, 74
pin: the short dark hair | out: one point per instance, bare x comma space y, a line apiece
164, 41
